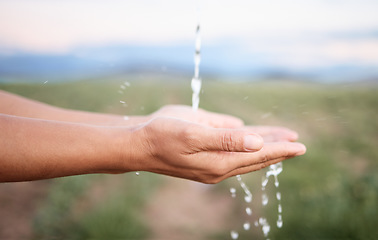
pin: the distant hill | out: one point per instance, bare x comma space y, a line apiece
218, 60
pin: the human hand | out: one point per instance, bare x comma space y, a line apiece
200, 116
192, 151
274, 133
269, 133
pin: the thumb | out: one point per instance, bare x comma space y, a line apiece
230, 140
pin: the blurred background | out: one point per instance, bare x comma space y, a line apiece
308, 65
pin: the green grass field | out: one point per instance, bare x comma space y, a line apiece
330, 193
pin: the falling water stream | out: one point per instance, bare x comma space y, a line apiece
274, 170
196, 80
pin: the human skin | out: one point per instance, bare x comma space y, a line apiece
15, 105
45, 144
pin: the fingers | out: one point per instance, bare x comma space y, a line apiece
228, 140
271, 151
218, 120
252, 168
225, 165
274, 133
259, 159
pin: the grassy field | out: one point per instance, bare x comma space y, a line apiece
330, 193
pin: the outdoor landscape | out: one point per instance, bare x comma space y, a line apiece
329, 193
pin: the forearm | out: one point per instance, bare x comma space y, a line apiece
15, 105
36, 149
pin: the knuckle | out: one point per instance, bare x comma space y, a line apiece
228, 142
264, 158
188, 137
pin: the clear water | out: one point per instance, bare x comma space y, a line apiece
264, 226
246, 226
196, 80
233, 192
265, 199
273, 170
247, 198
247, 192
234, 234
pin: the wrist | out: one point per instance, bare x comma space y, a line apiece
127, 149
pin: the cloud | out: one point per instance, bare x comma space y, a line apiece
58, 26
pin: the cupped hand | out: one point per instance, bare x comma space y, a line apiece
197, 152
200, 116
269, 133
274, 133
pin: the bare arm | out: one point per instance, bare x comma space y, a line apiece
34, 149
15, 105
12, 104
38, 149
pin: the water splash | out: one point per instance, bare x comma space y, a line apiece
264, 226
273, 170
248, 194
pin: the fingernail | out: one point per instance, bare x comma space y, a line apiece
301, 149
253, 142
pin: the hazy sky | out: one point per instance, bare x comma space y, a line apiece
328, 30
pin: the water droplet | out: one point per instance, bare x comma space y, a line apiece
234, 235
256, 223
137, 173
264, 182
248, 198
278, 195
123, 87
276, 183
123, 102
45, 82
127, 84
265, 199
265, 226
279, 221
233, 192
246, 226
238, 177
248, 211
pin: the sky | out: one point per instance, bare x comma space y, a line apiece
314, 33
